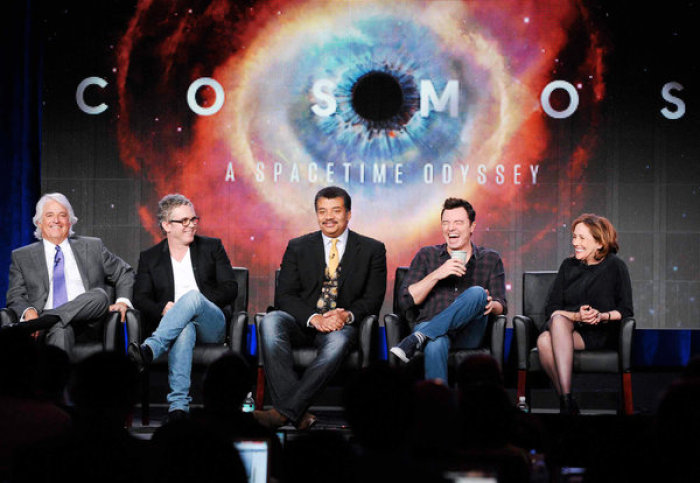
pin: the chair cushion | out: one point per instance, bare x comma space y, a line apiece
605, 361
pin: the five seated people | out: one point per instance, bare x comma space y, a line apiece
329, 281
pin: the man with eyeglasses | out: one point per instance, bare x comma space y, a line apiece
182, 285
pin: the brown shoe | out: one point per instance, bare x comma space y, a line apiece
270, 418
306, 422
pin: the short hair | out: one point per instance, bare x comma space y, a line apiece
167, 204
452, 203
39, 212
331, 192
602, 231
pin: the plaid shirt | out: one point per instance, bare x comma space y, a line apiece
484, 269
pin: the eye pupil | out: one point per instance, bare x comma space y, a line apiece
377, 96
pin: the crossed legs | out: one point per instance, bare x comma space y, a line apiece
556, 349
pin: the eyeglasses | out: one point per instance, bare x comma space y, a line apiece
185, 222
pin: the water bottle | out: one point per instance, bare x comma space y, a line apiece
248, 405
522, 405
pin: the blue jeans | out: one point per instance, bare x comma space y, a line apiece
292, 395
192, 317
461, 324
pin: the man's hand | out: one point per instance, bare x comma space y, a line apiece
453, 266
167, 307
120, 307
31, 314
332, 320
492, 305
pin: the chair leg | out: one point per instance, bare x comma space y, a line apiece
627, 392
522, 382
146, 397
260, 388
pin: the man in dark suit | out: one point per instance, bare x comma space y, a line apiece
58, 283
329, 281
182, 285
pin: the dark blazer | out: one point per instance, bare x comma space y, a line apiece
361, 282
29, 275
155, 285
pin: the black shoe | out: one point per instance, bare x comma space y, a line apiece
568, 406
42, 323
140, 354
176, 415
407, 348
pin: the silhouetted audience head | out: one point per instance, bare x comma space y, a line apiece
379, 407
479, 368
226, 383
186, 451
18, 363
692, 370
677, 429
435, 428
53, 372
320, 456
104, 387
487, 416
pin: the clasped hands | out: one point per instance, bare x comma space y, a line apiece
332, 320
589, 315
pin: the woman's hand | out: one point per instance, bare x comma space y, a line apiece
589, 315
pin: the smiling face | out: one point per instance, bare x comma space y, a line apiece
55, 222
457, 229
175, 232
332, 216
585, 246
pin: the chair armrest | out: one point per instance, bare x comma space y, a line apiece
258, 320
8, 316
134, 327
396, 329
368, 340
110, 335
498, 338
237, 332
625, 350
524, 338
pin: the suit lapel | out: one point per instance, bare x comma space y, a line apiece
319, 257
194, 258
165, 267
347, 263
80, 254
38, 258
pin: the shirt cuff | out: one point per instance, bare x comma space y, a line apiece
21, 319
126, 301
351, 319
308, 321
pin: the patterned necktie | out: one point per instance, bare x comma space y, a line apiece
333, 257
60, 295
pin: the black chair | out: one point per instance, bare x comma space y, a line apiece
536, 287
366, 351
400, 323
103, 334
204, 354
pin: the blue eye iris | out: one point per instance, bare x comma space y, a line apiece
377, 70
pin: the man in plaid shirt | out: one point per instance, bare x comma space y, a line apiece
454, 287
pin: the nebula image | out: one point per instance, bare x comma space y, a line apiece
403, 103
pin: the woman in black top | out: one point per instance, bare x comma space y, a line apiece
591, 293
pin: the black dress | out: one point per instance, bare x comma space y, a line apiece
605, 286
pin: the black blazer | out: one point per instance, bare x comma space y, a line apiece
361, 282
154, 286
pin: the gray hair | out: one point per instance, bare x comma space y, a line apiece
167, 204
58, 198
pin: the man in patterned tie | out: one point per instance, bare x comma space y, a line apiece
329, 280
58, 283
